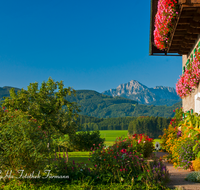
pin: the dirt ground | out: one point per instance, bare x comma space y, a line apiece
177, 176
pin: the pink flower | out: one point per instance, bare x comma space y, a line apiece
123, 151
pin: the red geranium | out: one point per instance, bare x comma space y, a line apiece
167, 10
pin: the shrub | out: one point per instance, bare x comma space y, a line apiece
84, 140
115, 165
60, 167
156, 172
64, 143
123, 165
194, 177
138, 142
23, 143
196, 164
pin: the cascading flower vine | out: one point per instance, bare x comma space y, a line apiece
190, 78
167, 10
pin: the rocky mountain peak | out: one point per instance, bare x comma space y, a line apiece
136, 91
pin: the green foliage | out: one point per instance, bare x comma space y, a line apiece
46, 107
102, 106
155, 172
194, 177
138, 142
84, 185
151, 126
84, 140
185, 152
23, 143
93, 123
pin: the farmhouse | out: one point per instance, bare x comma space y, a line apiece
175, 31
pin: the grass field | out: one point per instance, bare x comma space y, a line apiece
111, 135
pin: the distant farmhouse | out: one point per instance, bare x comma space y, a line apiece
175, 31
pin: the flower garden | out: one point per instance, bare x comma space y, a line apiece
121, 166
32, 119
182, 141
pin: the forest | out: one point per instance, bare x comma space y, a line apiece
151, 126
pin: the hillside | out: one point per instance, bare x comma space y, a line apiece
102, 106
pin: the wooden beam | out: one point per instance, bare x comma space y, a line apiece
193, 31
188, 42
180, 33
177, 38
185, 21
194, 24
196, 17
191, 37
182, 27
182, 52
186, 47
190, 6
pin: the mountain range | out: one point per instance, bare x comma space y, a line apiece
134, 90
100, 105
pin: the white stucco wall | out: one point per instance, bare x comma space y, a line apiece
189, 102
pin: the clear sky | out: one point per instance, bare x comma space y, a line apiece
88, 44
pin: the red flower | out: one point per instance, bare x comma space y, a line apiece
123, 151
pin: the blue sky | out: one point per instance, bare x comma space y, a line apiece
93, 45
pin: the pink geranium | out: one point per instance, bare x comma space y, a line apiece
190, 78
167, 10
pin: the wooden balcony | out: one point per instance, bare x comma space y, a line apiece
185, 31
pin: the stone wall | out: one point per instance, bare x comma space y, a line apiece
189, 102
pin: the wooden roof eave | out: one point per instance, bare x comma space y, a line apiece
153, 50
186, 27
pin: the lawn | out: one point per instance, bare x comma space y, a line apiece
111, 135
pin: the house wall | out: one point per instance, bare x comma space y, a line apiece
188, 102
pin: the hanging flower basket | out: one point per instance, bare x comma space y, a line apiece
164, 21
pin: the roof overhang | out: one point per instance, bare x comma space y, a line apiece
185, 31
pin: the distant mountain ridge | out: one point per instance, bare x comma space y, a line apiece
134, 90
102, 106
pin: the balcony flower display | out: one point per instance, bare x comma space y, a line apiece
190, 78
167, 11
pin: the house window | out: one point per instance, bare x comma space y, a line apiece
197, 103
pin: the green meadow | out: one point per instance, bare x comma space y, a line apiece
111, 135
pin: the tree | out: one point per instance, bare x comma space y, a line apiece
22, 142
47, 108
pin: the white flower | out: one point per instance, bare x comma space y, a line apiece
144, 142
157, 146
